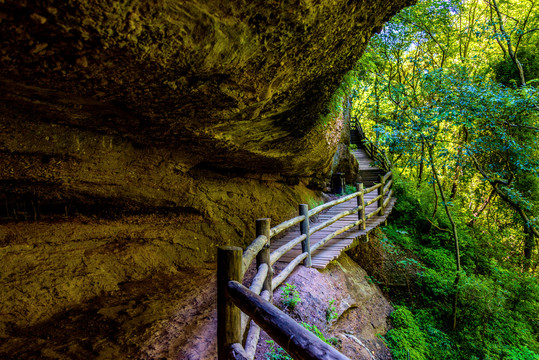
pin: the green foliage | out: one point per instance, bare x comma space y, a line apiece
497, 304
290, 296
521, 353
428, 86
331, 311
439, 259
506, 72
414, 203
276, 352
352, 146
406, 340
312, 328
312, 202
400, 237
349, 189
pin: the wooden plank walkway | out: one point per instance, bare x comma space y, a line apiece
333, 248
364, 160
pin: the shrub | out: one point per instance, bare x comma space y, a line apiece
290, 296
406, 340
312, 328
349, 189
276, 352
331, 311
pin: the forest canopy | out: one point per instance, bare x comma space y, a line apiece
449, 90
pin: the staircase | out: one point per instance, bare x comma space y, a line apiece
368, 175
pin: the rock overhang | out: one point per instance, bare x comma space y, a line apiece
229, 84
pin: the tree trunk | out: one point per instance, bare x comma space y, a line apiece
505, 197
482, 208
421, 165
435, 210
455, 236
510, 50
458, 171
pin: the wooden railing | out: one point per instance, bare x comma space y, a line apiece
237, 304
372, 150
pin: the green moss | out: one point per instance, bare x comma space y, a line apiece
406, 340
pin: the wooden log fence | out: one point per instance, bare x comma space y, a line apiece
371, 149
255, 302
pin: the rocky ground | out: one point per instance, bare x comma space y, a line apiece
361, 310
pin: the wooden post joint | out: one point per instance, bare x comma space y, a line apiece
229, 268
263, 257
361, 202
304, 229
381, 194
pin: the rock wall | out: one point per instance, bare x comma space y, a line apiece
226, 84
83, 286
136, 137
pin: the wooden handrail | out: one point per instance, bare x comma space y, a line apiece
299, 342
254, 333
374, 151
234, 262
256, 287
340, 200
237, 352
258, 280
386, 201
285, 225
276, 255
228, 316
263, 256
387, 175
373, 200
335, 219
371, 214
304, 228
381, 194
387, 186
278, 280
372, 188
333, 234
252, 250
327, 205
361, 203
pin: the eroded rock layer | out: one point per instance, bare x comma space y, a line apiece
234, 84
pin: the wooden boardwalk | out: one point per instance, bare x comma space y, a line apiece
364, 160
333, 248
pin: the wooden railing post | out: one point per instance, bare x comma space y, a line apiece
361, 202
304, 228
263, 257
381, 192
228, 315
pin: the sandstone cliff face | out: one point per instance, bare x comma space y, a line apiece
137, 136
226, 84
